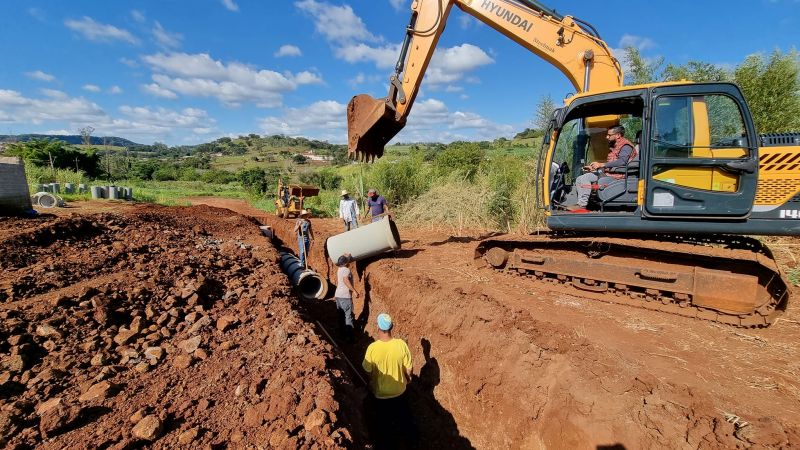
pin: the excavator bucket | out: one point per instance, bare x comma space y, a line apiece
371, 124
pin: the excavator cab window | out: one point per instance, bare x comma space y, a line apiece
698, 126
582, 139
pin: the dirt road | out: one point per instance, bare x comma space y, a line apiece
502, 363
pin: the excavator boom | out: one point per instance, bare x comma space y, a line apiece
569, 44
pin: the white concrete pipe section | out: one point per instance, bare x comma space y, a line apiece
309, 283
365, 241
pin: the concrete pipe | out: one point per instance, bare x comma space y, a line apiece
40, 188
129, 194
47, 200
113, 193
309, 283
365, 241
81, 188
97, 192
56, 188
69, 188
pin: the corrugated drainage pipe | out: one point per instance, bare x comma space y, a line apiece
309, 283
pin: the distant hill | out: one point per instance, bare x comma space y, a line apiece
74, 139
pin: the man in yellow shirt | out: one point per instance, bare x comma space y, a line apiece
388, 363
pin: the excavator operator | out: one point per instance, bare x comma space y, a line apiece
621, 152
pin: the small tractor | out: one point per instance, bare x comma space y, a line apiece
291, 197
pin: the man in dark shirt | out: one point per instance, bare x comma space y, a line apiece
621, 152
377, 206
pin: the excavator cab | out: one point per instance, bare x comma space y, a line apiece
697, 158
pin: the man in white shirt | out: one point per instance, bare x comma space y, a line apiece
348, 211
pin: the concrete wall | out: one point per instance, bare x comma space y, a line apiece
14, 195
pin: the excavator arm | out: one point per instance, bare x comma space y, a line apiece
569, 44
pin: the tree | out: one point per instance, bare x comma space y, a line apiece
772, 89
56, 154
299, 159
257, 180
698, 71
86, 134
544, 112
640, 70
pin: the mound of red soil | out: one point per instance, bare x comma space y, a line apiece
158, 326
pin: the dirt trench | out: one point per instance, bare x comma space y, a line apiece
160, 328
503, 364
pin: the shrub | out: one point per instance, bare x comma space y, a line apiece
257, 180
165, 173
464, 158
216, 176
324, 179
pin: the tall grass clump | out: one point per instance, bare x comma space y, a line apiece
42, 175
452, 204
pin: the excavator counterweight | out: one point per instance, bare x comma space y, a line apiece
371, 124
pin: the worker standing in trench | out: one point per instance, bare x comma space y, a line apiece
305, 236
344, 297
388, 363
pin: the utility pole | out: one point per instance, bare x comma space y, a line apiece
76, 165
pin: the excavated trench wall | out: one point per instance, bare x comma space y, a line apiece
490, 375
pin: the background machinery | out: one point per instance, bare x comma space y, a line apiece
291, 198
667, 235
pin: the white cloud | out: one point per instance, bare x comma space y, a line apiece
641, 43
288, 50
230, 5
336, 23
91, 88
61, 132
431, 120
466, 22
383, 57
158, 91
362, 79
186, 118
99, 32
451, 64
53, 93
41, 76
138, 16
324, 119
232, 83
129, 62
142, 123
115, 90
57, 106
165, 38
397, 4
37, 14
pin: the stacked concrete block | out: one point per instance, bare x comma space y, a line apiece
14, 194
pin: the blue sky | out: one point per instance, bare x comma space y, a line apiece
190, 71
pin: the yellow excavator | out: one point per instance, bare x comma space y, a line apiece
667, 231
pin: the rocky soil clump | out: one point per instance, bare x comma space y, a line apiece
164, 327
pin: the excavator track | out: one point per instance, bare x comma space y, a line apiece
732, 280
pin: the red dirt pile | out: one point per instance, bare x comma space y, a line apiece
164, 327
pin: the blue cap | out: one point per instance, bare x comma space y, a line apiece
384, 322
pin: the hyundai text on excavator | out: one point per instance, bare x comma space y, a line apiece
667, 235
